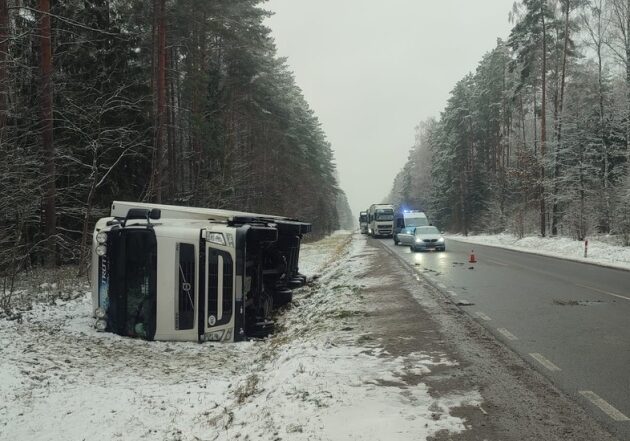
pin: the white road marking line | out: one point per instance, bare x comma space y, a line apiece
604, 292
546, 363
507, 334
605, 407
497, 262
483, 316
453, 293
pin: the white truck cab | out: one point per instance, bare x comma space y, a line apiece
164, 272
381, 220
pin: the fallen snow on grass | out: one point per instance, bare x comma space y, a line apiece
321, 384
599, 251
61, 380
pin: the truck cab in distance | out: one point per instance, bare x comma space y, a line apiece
363, 222
381, 220
162, 272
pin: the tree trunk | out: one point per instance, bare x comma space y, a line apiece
557, 171
172, 148
543, 126
159, 93
4, 74
627, 48
535, 124
48, 149
605, 178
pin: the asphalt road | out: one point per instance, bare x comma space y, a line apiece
569, 320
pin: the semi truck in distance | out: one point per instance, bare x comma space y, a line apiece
363, 222
408, 218
163, 272
381, 220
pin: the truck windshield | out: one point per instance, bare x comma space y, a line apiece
384, 214
416, 221
363, 218
133, 282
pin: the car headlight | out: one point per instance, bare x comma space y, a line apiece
101, 237
441, 240
216, 238
418, 240
101, 250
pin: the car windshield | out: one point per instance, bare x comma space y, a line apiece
427, 230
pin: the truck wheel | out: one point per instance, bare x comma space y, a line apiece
296, 282
282, 297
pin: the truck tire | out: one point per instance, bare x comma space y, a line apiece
282, 297
296, 282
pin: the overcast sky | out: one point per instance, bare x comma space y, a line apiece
373, 69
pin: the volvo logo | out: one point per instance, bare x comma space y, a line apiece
212, 320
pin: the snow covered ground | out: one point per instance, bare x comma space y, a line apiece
317, 378
599, 251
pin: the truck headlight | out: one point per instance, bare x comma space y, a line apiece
216, 238
101, 250
101, 237
100, 313
100, 325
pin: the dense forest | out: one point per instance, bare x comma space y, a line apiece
537, 138
171, 101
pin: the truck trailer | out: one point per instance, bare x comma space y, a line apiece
173, 273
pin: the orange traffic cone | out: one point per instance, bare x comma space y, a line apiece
472, 258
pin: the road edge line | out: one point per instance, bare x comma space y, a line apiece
604, 406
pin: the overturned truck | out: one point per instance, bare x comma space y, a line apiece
164, 272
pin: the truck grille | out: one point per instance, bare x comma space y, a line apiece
225, 297
184, 319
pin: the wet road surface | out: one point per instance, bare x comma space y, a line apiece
569, 320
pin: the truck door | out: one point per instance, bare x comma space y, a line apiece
219, 294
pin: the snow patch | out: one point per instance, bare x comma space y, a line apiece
599, 251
